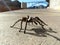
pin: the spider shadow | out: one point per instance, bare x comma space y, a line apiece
43, 32
39, 32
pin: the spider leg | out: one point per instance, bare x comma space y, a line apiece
21, 26
25, 27
41, 20
15, 23
41, 25
35, 22
38, 22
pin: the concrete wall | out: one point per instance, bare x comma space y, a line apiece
55, 4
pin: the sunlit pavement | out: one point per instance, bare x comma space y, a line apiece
12, 36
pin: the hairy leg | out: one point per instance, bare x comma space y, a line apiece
41, 20
25, 27
21, 26
35, 22
42, 27
40, 24
38, 21
15, 23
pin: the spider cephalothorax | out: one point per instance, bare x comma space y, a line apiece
32, 20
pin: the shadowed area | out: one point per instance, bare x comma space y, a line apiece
43, 33
40, 32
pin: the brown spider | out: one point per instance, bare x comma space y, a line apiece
28, 19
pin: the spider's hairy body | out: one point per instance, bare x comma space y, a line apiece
24, 19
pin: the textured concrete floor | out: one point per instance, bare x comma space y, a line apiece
37, 36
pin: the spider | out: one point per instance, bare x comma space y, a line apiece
32, 20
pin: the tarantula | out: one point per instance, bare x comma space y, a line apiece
32, 20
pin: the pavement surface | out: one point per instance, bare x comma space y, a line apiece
35, 35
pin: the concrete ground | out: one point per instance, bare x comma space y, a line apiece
35, 35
